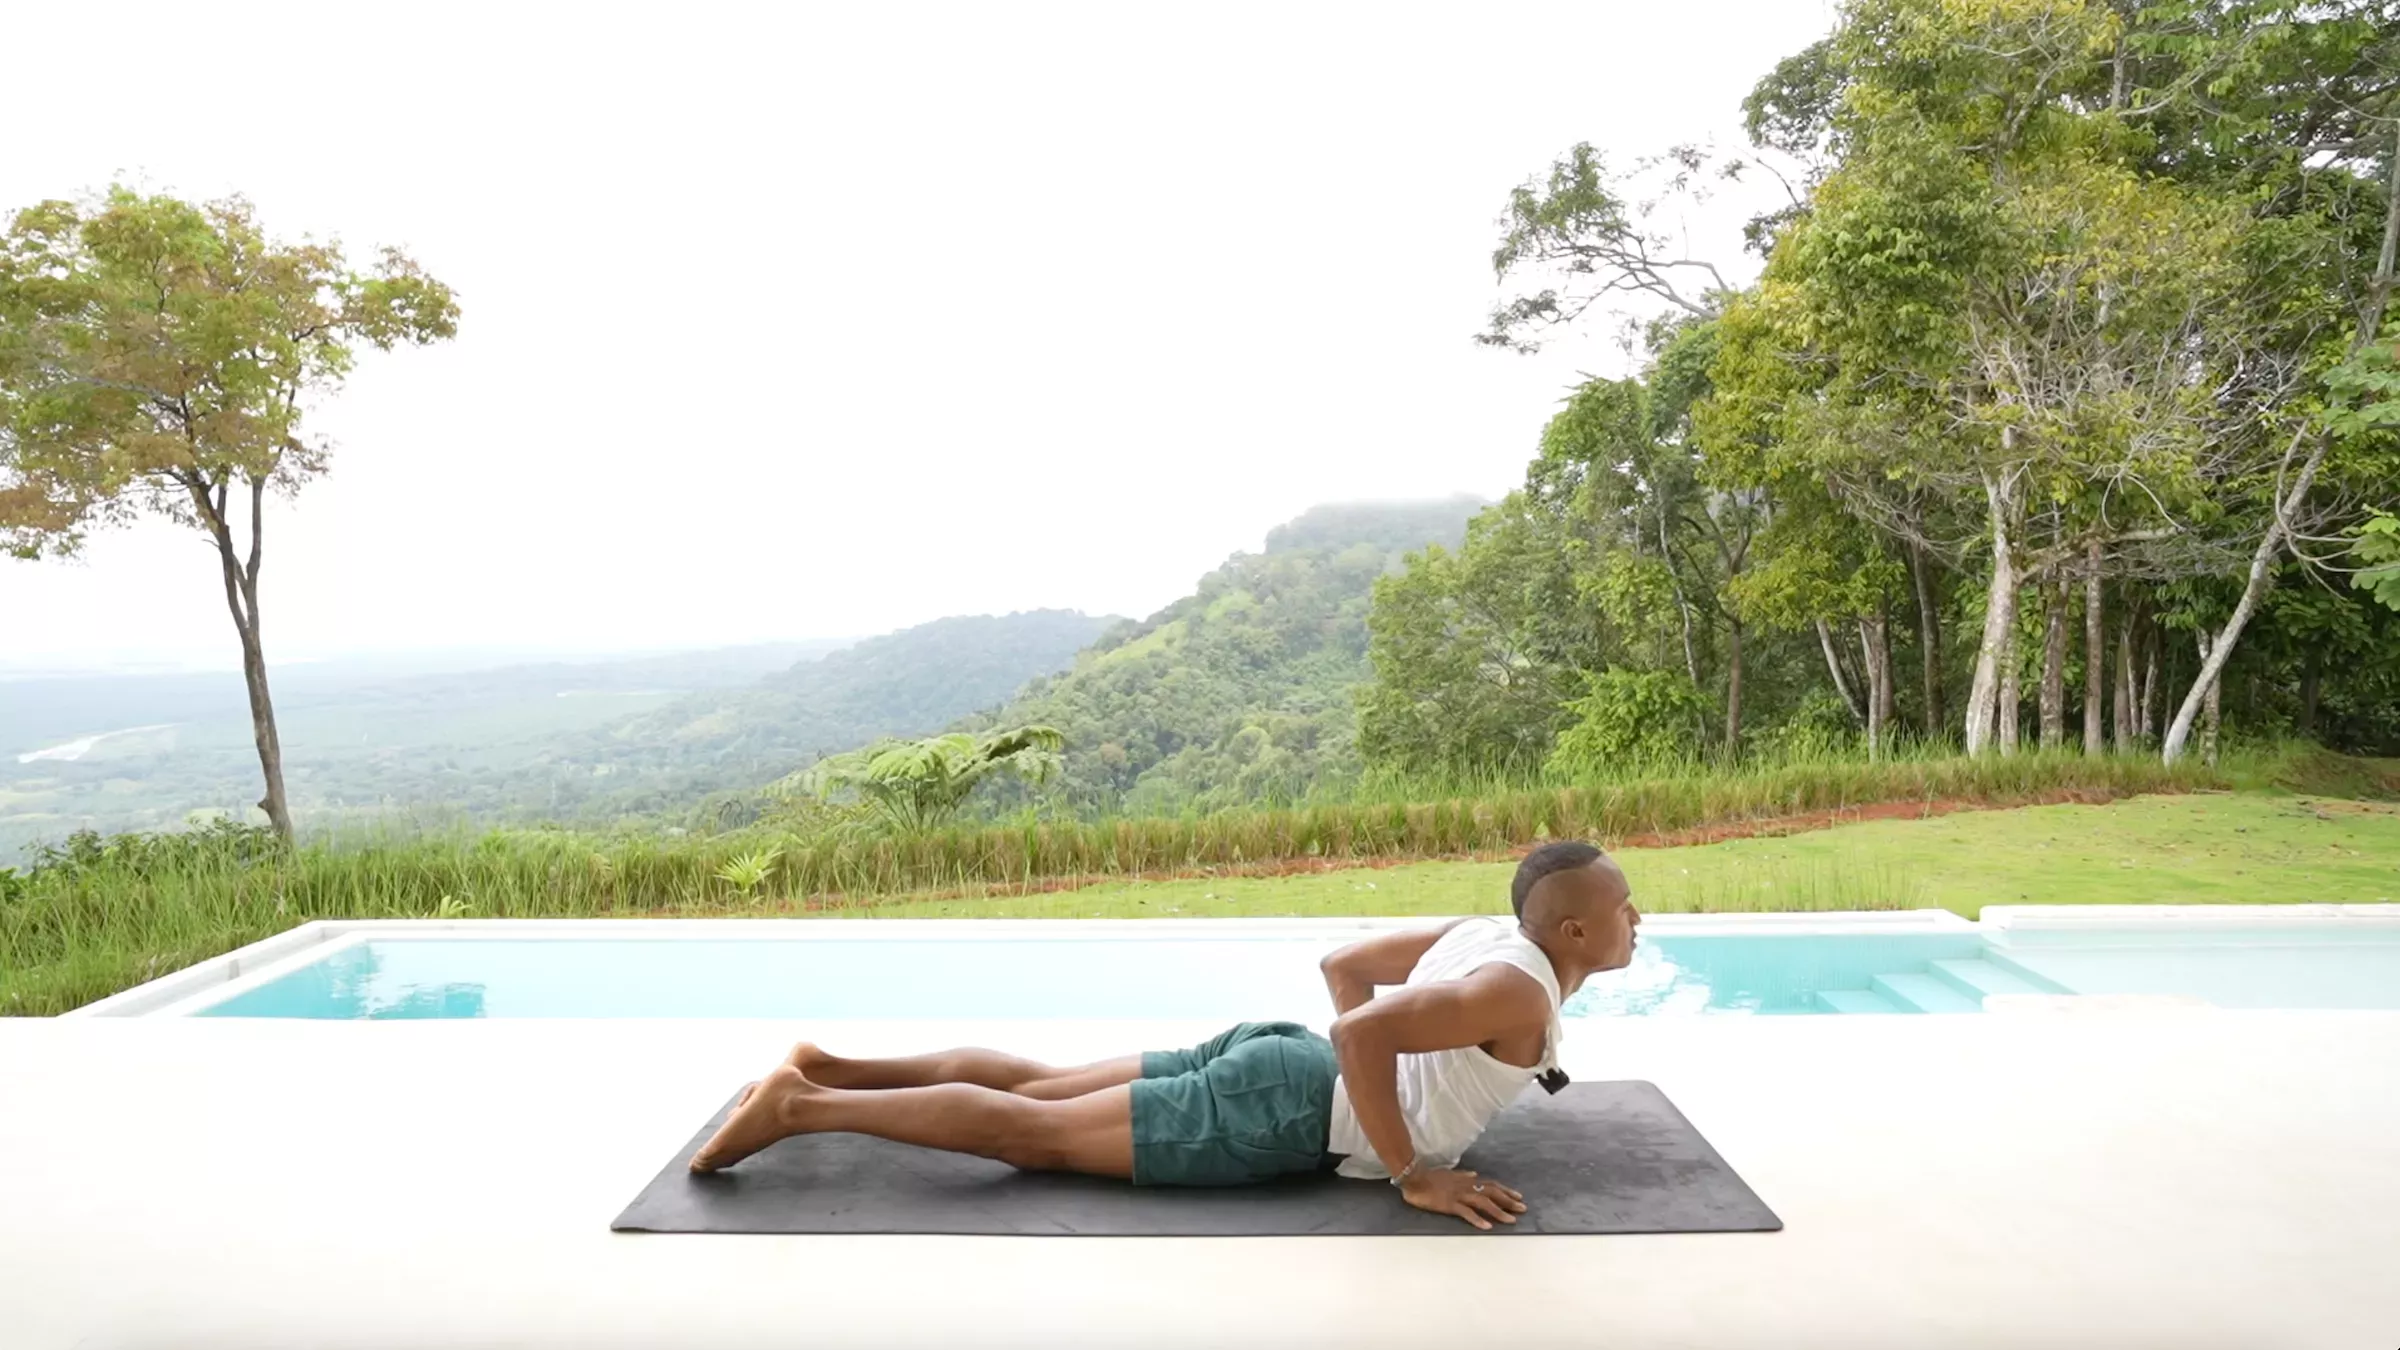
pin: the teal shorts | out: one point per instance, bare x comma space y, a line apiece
1248, 1105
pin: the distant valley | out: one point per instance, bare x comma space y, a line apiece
1244, 686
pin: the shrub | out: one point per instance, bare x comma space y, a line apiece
1819, 727
1630, 719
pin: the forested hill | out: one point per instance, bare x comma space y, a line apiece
1245, 688
909, 683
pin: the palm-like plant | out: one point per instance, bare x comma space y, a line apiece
749, 871
916, 785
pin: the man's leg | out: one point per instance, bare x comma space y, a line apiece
983, 1068
1091, 1133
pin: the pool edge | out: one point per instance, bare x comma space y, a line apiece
206, 983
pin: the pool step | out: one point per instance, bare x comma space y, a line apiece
1855, 1001
2041, 984
1923, 993
1954, 986
1977, 978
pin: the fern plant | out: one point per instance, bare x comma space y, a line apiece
916, 785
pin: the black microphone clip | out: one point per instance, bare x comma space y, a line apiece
1553, 1080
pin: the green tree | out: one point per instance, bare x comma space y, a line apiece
2278, 111
1625, 504
1821, 571
1584, 236
2295, 104
1476, 652
1991, 250
2057, 278
157, 357
2378, 547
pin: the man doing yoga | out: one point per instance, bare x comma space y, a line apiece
1404, 1085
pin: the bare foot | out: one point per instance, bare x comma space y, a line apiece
767, 1113
811, 1062
808, 1059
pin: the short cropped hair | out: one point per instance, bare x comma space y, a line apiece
1564, 855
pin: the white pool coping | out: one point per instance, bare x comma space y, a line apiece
2024, 918
220, 978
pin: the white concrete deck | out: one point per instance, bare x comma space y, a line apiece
2124, 1178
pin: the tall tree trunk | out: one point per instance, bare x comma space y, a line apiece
2219, 647
2054, 666
2128, 726
1984, 699
1683, 606
2146, 725
1841, 682
1883, 660
1874, 635
2095, 651
2370, 323
241, 597
1733, 687
2210, 706
1929, 637
262, 720
2012, 699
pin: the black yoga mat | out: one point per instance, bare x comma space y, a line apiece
1595, 1158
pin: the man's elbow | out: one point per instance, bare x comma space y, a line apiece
1353, 1031
1343, 977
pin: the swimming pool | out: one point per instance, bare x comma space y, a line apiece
1773, 965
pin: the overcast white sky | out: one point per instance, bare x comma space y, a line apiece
787, 322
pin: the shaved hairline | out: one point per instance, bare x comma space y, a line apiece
1542, 902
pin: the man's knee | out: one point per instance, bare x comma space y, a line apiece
1049, 1087
990, 1068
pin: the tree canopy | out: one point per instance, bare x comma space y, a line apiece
2069, 329
160, 357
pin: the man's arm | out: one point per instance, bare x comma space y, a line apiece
1352, 973
1495, 1002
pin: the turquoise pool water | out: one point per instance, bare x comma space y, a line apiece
1784, 973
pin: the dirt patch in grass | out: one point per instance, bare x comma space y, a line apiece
2326, 808
1775, 826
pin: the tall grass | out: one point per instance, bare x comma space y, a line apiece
72, 933
1494, 819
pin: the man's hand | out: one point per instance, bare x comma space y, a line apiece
1448, 1191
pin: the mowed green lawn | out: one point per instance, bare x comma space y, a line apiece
2212, 848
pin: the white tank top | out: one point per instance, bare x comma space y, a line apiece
1448, 1096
